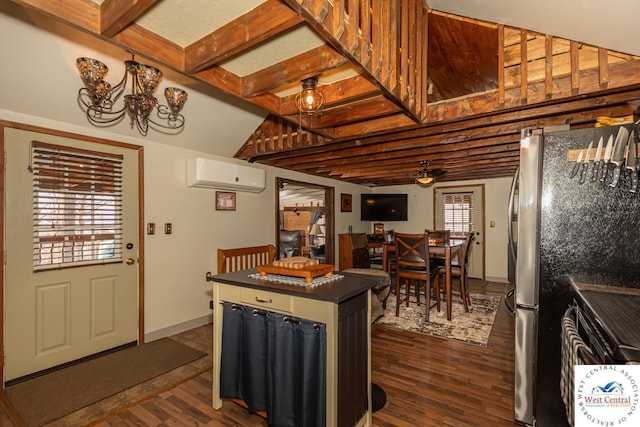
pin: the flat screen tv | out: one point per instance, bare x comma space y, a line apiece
383, 207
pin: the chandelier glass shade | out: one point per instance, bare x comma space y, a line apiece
309, 100
99, 99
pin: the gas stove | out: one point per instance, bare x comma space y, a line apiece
611, 319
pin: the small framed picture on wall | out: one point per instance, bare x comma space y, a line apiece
225, 201
345, 202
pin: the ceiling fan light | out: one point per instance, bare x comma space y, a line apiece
424, 180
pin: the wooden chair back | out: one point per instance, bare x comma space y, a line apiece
438, 237
244, 258
463, 259
459, 270
412, 255
412, 262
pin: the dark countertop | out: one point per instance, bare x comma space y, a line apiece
335, 291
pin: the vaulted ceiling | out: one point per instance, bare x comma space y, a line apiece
402, 83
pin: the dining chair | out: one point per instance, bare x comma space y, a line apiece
438, 237
459, 270
412, 263
390, 262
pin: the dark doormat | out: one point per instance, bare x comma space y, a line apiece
54, 395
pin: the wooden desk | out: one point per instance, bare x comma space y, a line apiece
446, 251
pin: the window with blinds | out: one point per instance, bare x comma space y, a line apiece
77, 206
458, 212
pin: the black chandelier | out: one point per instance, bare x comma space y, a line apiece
99, 99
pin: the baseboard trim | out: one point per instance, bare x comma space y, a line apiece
176, 329
496, 279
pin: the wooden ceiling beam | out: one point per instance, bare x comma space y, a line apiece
83, 15
262, 23
500, 151
423, 137
337, 93
358, 110
140, 41
118, 14
308, 64
439, 154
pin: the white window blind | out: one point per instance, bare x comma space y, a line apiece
77, 206
458, 212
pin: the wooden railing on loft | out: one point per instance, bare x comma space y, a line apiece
538, 67
276, 134
384, 37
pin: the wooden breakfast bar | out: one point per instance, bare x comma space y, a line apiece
341, 305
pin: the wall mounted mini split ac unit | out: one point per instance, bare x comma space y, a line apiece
209, 173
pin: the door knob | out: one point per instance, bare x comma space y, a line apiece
130, 261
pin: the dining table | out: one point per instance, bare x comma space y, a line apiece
446, 250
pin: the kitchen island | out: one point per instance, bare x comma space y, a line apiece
340, 305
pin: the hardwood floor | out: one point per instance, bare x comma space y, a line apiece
428, 382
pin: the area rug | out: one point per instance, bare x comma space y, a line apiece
473, 327
54, 395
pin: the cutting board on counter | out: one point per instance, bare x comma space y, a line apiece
308, 273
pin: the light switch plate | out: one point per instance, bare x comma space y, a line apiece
151, 228
168, 228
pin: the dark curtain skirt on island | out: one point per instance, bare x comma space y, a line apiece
275, 363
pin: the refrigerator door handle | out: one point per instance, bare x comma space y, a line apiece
528, 221
509, 301
512, 243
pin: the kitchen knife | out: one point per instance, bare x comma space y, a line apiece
605, 160
617, 158
576, 167
585, 164
597, 161
631, 162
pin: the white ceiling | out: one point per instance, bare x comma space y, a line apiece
609, 24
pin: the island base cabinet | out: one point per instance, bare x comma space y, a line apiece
274, 363
318, 349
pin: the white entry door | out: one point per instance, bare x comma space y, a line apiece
476, 252
71, 274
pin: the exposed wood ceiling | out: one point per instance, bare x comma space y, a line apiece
402, 83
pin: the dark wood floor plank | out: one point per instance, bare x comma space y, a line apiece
428, 381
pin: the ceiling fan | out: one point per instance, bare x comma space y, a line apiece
426, 176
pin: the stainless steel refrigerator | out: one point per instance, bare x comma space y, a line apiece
575, 223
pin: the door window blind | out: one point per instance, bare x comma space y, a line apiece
77, 206
458, 212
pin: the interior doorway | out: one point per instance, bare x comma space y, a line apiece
309, 209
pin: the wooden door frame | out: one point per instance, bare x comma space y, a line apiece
140, 153
329, 206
